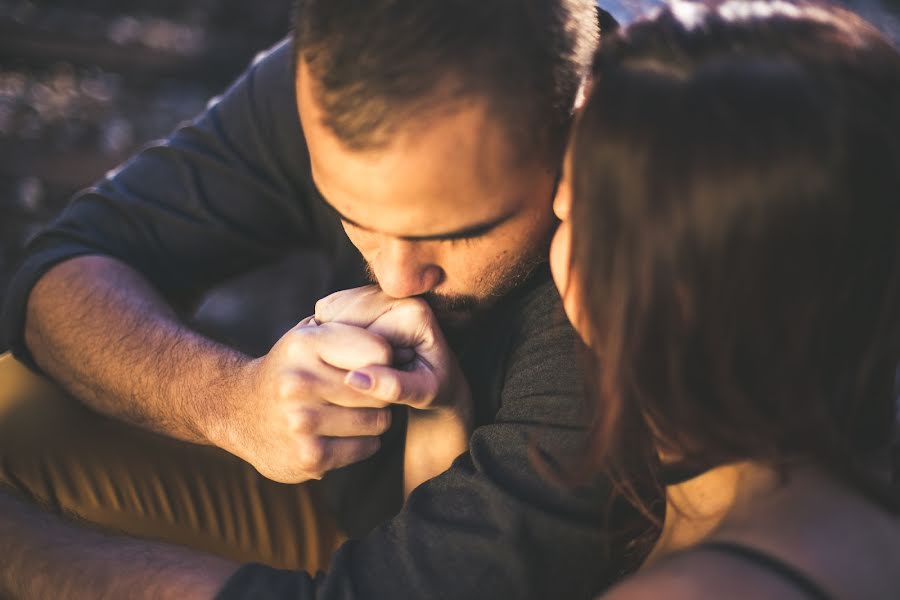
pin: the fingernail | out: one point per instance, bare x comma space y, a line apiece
359, 380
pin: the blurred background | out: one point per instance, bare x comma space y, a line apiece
83, 84
884, 13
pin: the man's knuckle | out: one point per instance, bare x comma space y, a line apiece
322, 305
287, 389
306, 420
311, 454
297, 346
305, 382
295, 386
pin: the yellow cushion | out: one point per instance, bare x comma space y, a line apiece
18, 383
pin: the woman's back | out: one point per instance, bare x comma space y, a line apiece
809, 538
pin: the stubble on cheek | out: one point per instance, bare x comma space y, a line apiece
505, 275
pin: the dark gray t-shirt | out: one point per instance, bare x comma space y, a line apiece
232, 190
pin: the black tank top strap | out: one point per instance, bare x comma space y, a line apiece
769, 563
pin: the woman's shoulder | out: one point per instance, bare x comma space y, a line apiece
700, 573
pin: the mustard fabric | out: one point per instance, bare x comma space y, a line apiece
75, 461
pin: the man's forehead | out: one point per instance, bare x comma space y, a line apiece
411, 205
440, 178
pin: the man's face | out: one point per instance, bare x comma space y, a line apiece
444, 211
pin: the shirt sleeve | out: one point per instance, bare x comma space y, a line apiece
225, 192
495, 525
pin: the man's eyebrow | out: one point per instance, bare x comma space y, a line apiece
469, 231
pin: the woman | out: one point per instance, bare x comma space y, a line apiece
729, 251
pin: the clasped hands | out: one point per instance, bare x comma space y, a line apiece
320, 398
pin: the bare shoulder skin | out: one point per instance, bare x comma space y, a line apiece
840, 540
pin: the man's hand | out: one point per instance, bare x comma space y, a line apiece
430, 382
295, 418
430, 379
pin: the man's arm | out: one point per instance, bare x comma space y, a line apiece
46, 557
494, 525
101, 330
95, 302
98, 327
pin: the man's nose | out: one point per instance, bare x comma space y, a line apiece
403, 269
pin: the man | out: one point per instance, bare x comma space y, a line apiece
428, 142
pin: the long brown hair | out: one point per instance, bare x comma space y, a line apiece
736, 235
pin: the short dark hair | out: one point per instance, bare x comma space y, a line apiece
378, 62
736, 210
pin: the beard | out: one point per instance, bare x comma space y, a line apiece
456, 311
